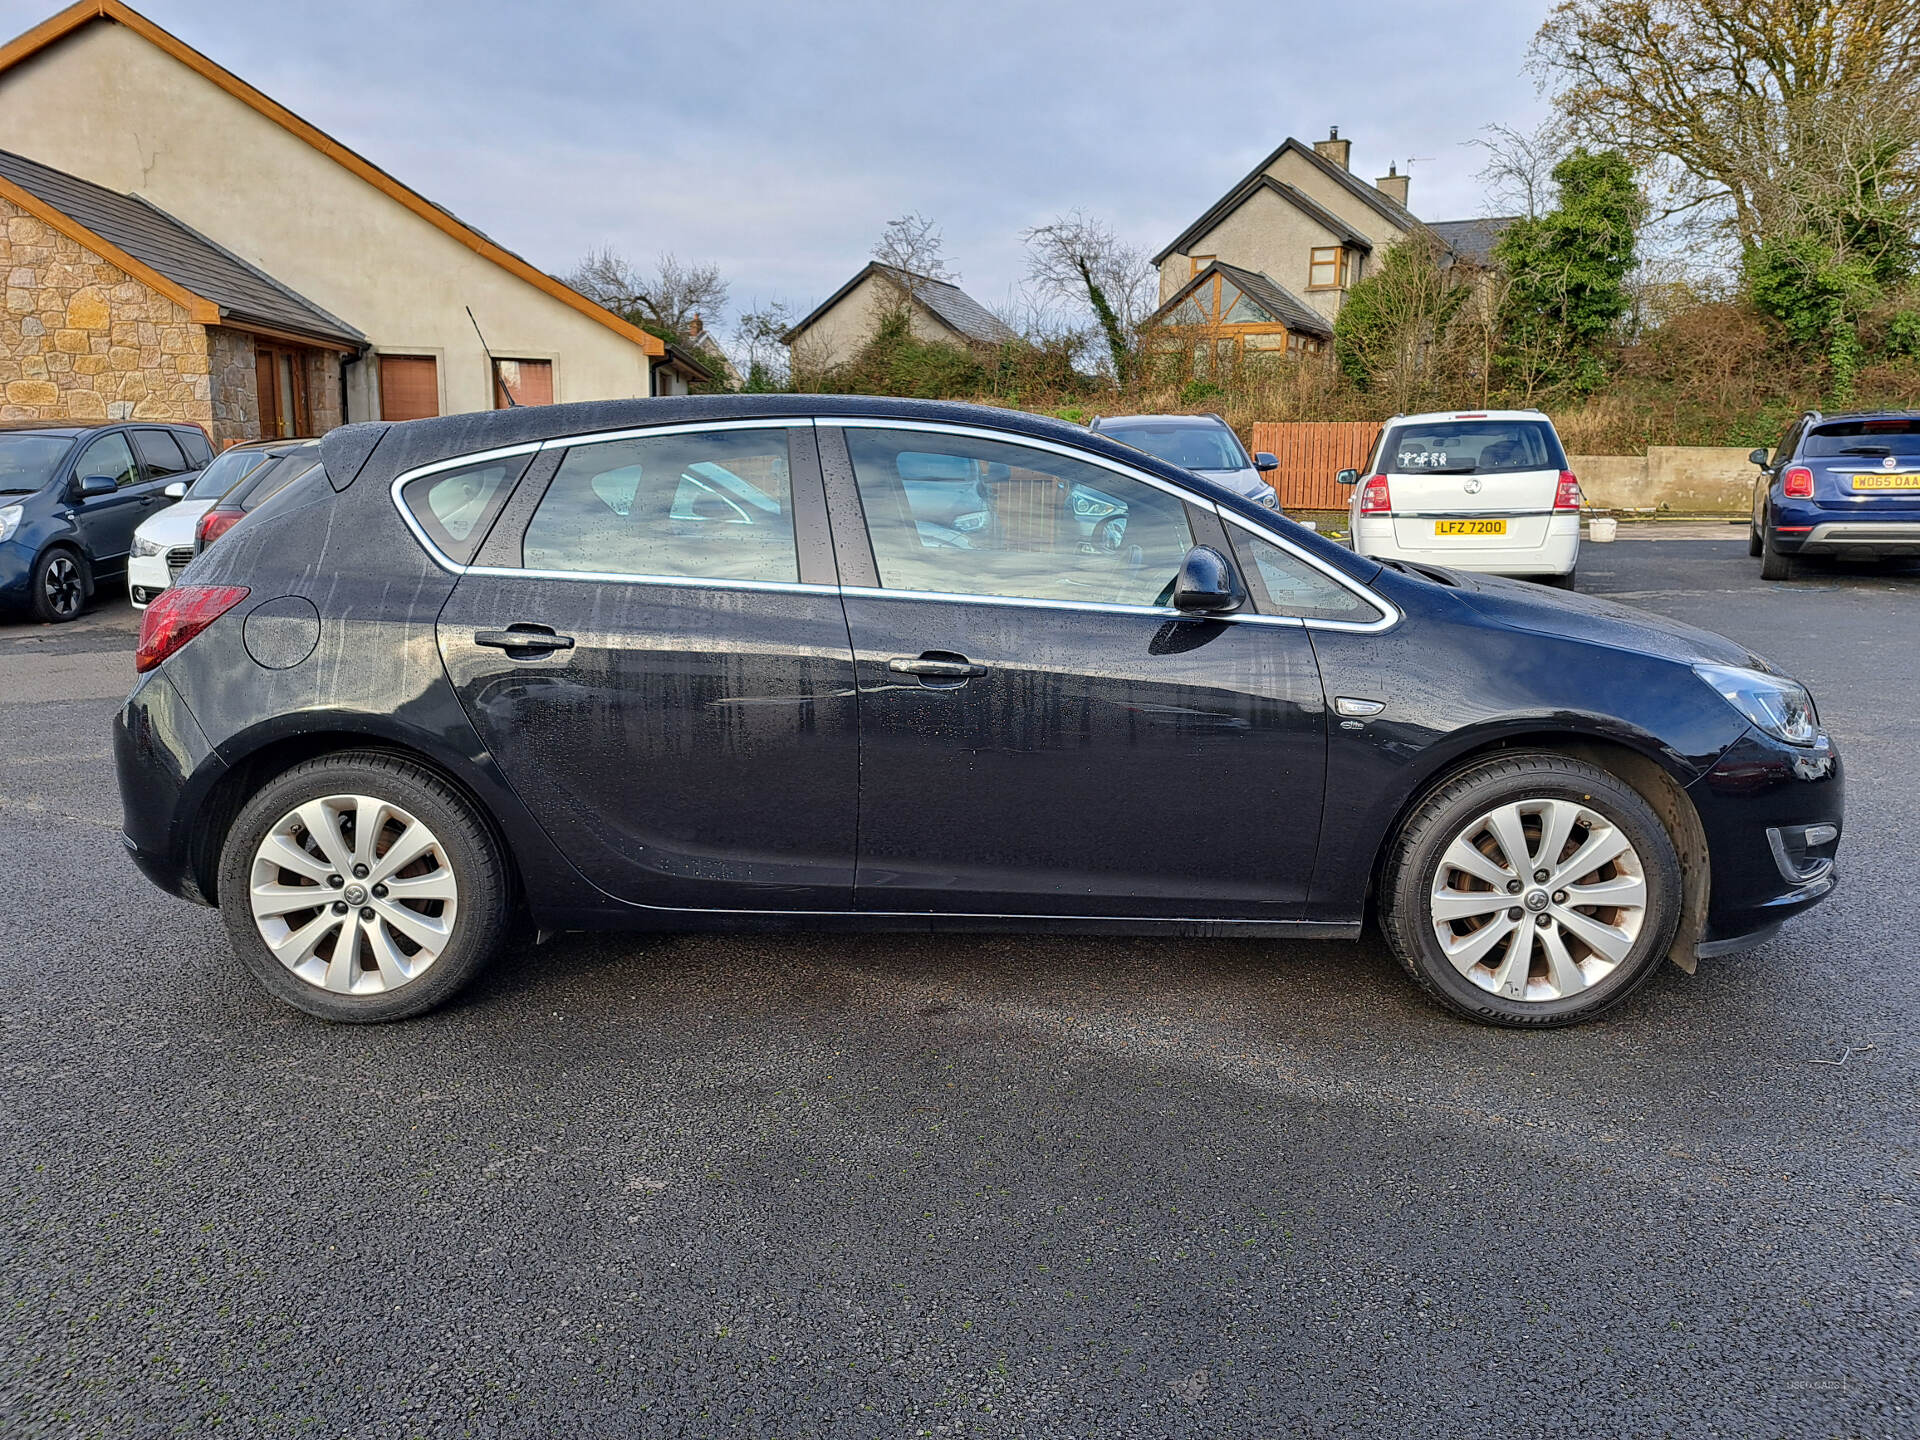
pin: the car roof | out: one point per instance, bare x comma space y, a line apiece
1430, 417
54, 427
1212, 421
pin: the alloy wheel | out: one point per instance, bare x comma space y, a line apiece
353, 894
1538, 899
63, 587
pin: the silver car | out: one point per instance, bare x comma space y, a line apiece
1204, 444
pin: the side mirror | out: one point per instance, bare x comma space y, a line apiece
176, 490
1266, 461
94, 486
1759, 457
1206, 583
1347, 477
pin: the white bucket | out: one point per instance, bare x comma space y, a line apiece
1602, 529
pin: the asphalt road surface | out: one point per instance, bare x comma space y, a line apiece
995, 1186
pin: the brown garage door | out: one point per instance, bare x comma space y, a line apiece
529, 381
409, 387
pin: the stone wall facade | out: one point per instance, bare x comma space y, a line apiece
236, 388
81, 340
323, 391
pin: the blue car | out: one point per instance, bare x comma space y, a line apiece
71, 497
1838, 485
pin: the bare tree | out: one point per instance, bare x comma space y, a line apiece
912, 246
1518, 175
763, 341
670, 297
1078, 259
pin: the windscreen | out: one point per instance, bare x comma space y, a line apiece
1472, 447
1191, 447
1870, 439
225, 472
27, 461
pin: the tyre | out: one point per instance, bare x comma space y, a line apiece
1774, 564
1568, 581
361, 888
60, 584
1465, 907
1753, 541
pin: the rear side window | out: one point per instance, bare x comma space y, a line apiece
1868, 439
704, 505
1472, 447
194, 443
161, 452
1287, 585
455, 507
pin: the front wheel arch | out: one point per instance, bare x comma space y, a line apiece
1655, 784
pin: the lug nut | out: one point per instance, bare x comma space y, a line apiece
1559, 897
360, 873
339, 907
1515, 913
379, 892
1539, 875
1541, 918
1513, 887
366, 912
335, 881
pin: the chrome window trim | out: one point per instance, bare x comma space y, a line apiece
679, 427
1390, 615
600, 577
1007, 437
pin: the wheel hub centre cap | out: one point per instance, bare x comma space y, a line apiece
1536, 901
357, 895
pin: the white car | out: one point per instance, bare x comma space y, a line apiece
1485, 490
163, 544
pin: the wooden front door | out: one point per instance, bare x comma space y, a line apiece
280, 373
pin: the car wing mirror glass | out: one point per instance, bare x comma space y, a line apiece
94, 486
1347, 477
1759, 457
1206, 582
1265, 460
177, 489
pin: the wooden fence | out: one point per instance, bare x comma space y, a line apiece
1311, 453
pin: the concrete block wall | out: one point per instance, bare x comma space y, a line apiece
1684, 479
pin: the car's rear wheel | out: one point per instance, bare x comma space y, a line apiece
360, 887
1775, 564
1753, 540
1531, 889
1568, 581
59, 585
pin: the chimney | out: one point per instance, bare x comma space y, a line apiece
1334, 148
1393, 185
695, 328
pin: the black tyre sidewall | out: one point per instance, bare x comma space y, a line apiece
484, 916
1775, 564
1484, 787
44, 612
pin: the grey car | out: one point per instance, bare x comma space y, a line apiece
1204, 444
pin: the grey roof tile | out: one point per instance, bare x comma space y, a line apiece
1472, 240
244, 293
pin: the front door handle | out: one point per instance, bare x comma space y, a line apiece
936, 666
526, 639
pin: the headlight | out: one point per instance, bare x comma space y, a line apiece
9, 521
144, 546
1270, 500
1779, 706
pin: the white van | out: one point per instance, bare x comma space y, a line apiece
1484, 490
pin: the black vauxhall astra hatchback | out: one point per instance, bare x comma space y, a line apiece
794, 662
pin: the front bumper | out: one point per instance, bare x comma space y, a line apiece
16, 574
147, 576
1773, 815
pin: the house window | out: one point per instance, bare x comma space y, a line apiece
1197, 263
529, 382
1328, 269
409, 387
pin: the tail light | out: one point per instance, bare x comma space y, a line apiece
213, 525
1796, 481
1567, 495
1375, 499
181, 613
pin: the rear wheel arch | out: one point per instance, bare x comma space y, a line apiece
261, 766
1651, 779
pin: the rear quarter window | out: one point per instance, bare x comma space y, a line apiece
457, 507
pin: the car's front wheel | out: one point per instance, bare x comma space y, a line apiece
361, 887
1531, 889
59, 585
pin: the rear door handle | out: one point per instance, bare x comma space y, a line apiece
935, 667
530, 639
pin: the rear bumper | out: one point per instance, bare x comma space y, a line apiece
1558, 554
1866, 539
166, 768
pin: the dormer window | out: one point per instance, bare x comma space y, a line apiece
1327, 269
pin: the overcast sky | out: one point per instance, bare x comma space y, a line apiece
776, 139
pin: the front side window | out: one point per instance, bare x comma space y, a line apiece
1472, 447
1292, 586
161, 452
455, 507
965, 516
110, 456
707, 505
